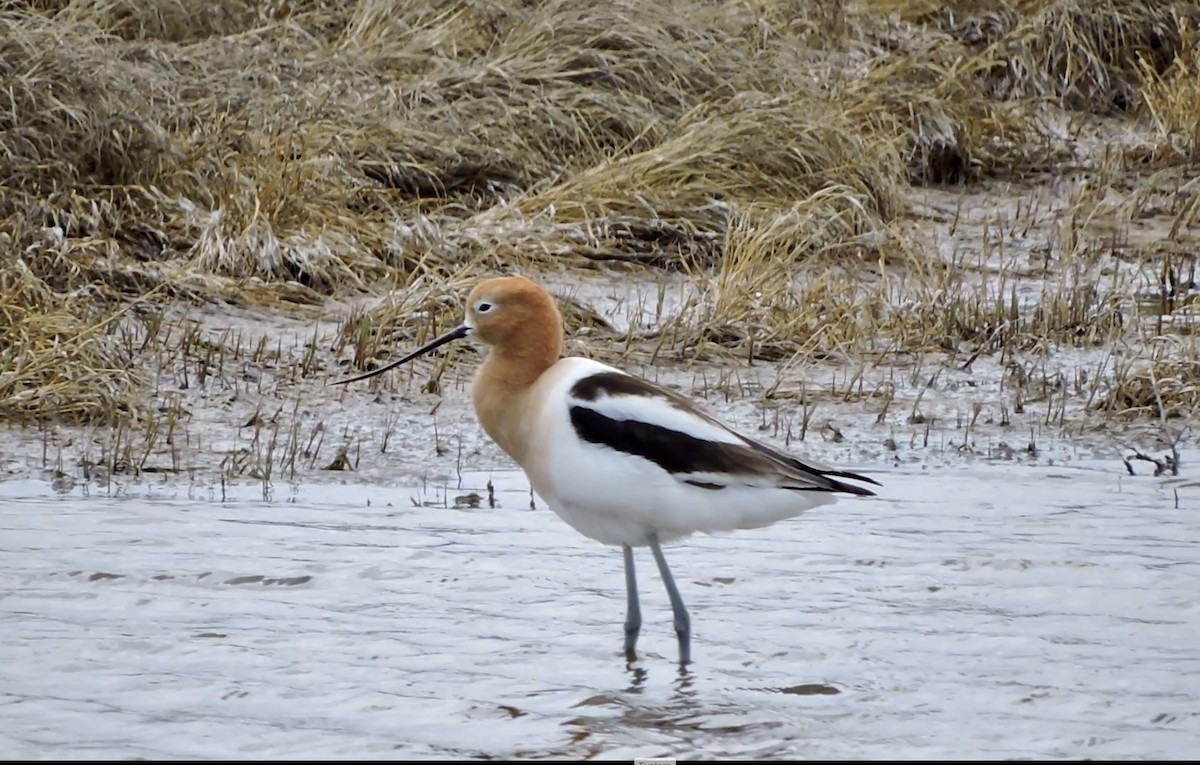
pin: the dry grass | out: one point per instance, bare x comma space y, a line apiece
927, 96
1087, 55
72, 116
1166, 385
975, 22
180, 21
1084, 55
276, 154
57, 358
751, 151
961, 91
1172, 98
760, 307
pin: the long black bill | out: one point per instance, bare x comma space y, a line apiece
455, 334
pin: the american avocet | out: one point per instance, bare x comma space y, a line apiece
622, 460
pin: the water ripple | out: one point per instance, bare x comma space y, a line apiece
984, 613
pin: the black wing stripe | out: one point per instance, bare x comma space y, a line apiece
674, 452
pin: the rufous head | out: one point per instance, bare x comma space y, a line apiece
512, 315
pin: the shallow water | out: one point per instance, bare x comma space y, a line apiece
989, 611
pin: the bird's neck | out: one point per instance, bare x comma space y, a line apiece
501, 394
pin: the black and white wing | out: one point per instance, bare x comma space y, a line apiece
628, 414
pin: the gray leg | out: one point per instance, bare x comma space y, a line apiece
633, 611
683, 624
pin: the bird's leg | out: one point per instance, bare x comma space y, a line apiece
683, 624
633, 611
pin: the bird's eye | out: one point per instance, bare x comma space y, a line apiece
483, 308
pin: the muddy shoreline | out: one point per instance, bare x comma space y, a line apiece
254, 428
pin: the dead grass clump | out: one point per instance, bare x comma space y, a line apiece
928, 100
420, 164
760, 304
192, 161
750, 150
1087, 55
425, 37
72, 114
626, 46
281, 210
973, 22
1172, 98
285, 155
181, 21
766, 23
1163, 384
1066, 312
495, 131
569, 85
60, 359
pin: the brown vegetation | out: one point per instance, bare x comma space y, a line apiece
778, 154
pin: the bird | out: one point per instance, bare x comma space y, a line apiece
624, 461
